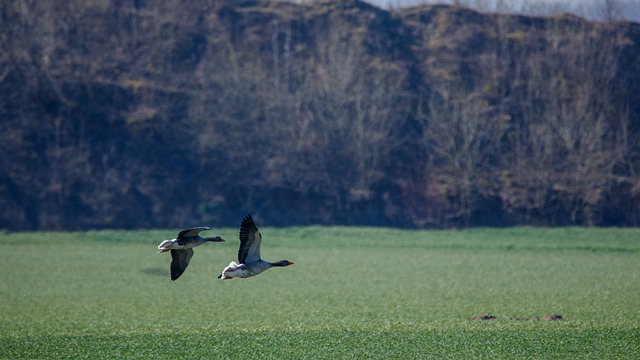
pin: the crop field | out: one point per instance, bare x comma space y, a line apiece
353, 293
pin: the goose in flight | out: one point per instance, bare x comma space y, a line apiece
249, 261
182, 248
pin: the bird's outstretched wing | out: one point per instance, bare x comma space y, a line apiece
250, 240
179, 261
191, 232
189, 236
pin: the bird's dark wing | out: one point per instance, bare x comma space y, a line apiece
250, 240
179, 261
191, 232
188, 236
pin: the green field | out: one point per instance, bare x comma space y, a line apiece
352, 293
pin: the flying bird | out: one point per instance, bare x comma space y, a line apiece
249, 261
182, 248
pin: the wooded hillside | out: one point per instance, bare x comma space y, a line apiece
133, 114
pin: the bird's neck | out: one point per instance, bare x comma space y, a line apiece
280, 263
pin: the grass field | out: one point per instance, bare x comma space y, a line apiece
352, 293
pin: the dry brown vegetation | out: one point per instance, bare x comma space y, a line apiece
135, 114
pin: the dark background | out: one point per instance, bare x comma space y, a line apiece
136, 114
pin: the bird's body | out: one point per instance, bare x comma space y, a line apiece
182, 248
249, 261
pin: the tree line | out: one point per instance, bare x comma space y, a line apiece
131, 115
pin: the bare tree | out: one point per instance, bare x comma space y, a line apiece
464, 137
570, 132
611, 10
360, 113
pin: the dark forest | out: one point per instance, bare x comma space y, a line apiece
135, 114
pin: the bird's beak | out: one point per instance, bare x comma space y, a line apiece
221, 240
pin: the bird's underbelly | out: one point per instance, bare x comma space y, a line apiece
185, 246
243, 273
240, 271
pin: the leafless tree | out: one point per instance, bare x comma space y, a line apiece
464, 137
571, 127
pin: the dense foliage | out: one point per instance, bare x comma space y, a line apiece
179, 113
